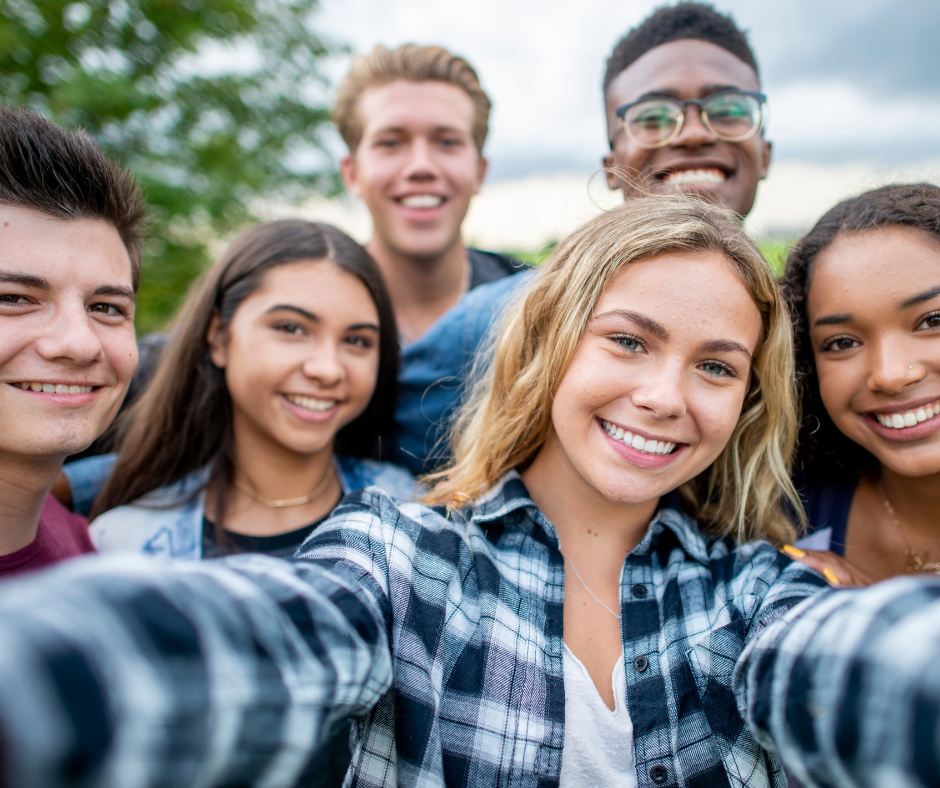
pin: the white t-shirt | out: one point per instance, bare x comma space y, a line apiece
598, 749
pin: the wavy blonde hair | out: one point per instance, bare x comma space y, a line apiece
507, 416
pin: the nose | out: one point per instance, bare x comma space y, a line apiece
421, 164
662, 393
71, 335
694, 132
893, 369
325, 365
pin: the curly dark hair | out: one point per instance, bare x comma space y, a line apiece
672, 23
825, 453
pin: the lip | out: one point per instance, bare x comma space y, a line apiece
923, 429
65, 400
420, 213
684, 165
636, 457
310, 416
904, 407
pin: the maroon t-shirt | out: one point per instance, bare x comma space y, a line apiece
61, 534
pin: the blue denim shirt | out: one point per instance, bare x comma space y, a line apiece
434, 369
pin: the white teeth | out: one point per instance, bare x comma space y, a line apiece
422, 201
55, 388
898, 421
687, 177
310, 403
638, 442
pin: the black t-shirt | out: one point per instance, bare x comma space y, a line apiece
490, 266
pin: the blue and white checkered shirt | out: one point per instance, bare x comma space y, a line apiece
443, 638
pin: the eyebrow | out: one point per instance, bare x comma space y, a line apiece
656, 329
26, 280
39, 283
314, 319
919, 299
706, 90
115, 290
832, 320
724, 346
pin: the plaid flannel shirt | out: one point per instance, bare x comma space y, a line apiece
443, 638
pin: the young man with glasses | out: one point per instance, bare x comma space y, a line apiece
684, 109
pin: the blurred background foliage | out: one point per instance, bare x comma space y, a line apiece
213, 104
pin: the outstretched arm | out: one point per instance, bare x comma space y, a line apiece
125, 672
845, 688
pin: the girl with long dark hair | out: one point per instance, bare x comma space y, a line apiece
865, 288
270, 398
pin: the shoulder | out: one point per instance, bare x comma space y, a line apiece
357, 473
490, 266
66, 531
166, 522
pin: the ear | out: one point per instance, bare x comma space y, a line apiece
613, 182
481, 173
766, 150
347, 169
217, 338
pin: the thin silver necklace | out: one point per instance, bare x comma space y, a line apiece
594, 596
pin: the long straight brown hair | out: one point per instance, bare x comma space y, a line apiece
183, 421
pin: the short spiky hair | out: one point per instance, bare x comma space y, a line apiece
672, 23
63, 174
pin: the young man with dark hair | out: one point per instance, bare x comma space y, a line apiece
70, 238
684, 109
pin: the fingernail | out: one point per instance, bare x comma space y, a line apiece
793, 552
830, 576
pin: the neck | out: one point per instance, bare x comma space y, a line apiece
24, 484
421, 289
591, 528
915, 500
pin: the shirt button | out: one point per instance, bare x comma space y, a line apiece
640, 664
639, 591
658, 774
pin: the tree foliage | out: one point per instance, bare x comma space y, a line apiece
213, 104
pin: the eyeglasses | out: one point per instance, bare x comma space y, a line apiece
731, 115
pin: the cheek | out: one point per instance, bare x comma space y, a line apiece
717, 415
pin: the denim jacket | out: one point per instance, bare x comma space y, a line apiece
168, 522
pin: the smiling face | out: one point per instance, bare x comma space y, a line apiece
656, 385
301, 357
874, 317
696, 160
417, 166
67, 348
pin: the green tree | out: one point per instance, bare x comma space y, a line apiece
214, 104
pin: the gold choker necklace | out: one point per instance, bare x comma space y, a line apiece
282, 503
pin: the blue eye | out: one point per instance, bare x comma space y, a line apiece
717, 369
628, 343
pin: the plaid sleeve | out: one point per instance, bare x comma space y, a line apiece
124, 672
845, 687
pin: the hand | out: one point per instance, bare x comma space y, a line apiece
838, 572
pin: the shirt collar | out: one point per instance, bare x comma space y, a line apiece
510, 495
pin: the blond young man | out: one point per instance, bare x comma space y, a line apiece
415, 120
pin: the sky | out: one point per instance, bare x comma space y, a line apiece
853, 93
